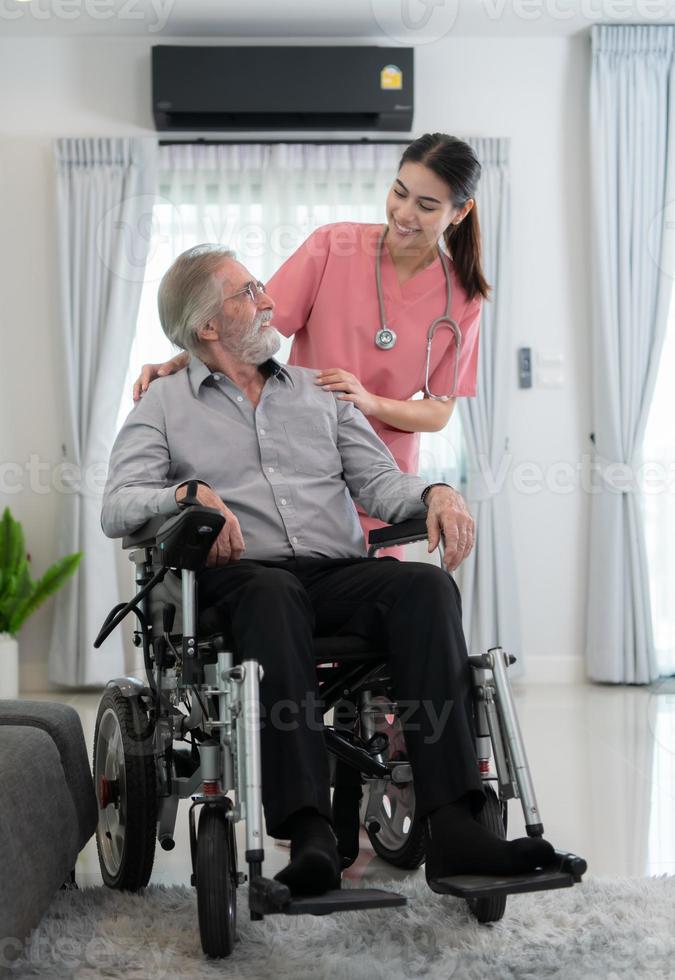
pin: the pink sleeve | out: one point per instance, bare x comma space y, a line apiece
440, 382
294, 286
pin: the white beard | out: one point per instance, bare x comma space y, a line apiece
257, 345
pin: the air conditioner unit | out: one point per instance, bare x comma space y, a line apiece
282, 88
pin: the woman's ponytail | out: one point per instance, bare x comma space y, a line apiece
463, 243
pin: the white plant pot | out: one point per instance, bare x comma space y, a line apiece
9, 666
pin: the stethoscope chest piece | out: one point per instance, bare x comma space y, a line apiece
385, 338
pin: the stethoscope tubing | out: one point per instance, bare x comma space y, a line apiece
385, 338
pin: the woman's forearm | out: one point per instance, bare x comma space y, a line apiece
423, 415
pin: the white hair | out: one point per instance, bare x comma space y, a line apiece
190, 294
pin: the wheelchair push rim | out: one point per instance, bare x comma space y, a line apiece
125, 782
111, 787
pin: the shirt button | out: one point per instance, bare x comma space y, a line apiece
239, 398
216, 377
270, 469
262, 432
283, 500
294, 540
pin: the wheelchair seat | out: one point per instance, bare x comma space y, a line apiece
327, 649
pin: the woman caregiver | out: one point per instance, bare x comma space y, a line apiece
382, 312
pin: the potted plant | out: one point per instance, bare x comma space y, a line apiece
20, 596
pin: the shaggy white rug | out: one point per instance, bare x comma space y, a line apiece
603, 929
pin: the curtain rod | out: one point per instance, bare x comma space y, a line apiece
267, 142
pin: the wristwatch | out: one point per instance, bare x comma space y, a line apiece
427, 489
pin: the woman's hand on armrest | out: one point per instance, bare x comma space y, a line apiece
152, 371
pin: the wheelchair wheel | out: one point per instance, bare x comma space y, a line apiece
491, 816
216, 880
394, 832
125, 781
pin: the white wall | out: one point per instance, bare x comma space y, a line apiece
532, 90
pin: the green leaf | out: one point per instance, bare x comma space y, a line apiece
12, 546
50, 582
4, 535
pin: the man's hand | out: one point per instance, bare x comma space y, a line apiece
448, 516
229, 545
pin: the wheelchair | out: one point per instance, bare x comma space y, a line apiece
192, 732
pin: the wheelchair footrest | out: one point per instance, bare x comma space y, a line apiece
344, 900
492, 886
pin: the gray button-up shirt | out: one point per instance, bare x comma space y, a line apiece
288, 468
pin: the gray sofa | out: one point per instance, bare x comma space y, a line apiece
48, 808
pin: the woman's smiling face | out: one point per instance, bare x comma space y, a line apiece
419, 208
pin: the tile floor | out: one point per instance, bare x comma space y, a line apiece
603, 765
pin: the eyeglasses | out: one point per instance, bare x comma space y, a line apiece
252, 288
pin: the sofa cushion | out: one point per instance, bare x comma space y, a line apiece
39, 830
63, 724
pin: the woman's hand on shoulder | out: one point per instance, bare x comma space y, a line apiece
336, 379
152, 371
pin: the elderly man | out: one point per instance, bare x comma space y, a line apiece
283, 460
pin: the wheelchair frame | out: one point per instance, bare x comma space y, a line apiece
225, 717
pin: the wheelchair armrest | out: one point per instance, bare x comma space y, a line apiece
145, 536
181, 541
403, 533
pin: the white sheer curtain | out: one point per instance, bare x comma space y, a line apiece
105, 196
632, 183
490, 601
658, 502
264, 200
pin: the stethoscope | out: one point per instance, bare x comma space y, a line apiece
385, 338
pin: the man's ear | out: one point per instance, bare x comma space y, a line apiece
209, 332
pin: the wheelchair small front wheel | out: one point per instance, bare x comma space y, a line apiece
492, 816
216, 881
125, 782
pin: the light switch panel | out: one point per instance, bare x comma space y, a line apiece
524, 367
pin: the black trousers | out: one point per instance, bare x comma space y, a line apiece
276, 607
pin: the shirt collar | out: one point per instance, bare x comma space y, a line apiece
198, 372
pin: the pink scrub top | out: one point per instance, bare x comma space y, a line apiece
325, 296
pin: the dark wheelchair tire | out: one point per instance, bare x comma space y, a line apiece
399, 842
216, 878
492, 816
125, 775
